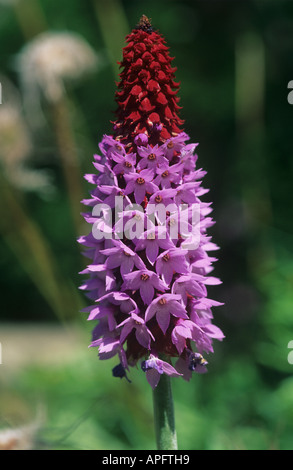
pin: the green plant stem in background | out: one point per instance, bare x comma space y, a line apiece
26, 240
69, 158
30, 17
250, 81
114, 27
164, 415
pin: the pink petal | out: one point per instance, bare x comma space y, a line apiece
153, 377
143, 337
152, 251
139, 193
163, 319
147, 292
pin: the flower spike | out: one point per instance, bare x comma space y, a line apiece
149, 250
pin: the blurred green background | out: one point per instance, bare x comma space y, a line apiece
234, 63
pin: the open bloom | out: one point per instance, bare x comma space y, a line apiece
120, 255
163, 307
152, 157
170, 262
140, 184
142, 333
125, 163
148, 281
151, 241
155, 367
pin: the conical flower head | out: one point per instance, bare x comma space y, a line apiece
146, 95
149, 247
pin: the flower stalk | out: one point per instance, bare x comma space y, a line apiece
164, 418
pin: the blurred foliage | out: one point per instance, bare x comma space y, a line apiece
234, 63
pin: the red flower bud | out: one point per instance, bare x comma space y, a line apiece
147, 91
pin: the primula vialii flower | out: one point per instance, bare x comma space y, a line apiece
149, 269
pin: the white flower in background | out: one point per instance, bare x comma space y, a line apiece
17, 439
16, 145
53, 59
23, 437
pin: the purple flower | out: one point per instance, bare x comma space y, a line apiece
175, 144
140, 184
164, 196
180, 333
160, 203
125, 164
163, 307
108, 146
151, 241
166, 175
131, 224
151, 157
148, 275
203, 331
186, 194
100, 311
108, 307
107, 346
123, 257
191, 284
111, 193
142, 333
126, 303
189, 160
99, 275
155, 367
148, 250
146, 282
170, 262
141, 139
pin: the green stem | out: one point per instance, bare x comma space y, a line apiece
164, 415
